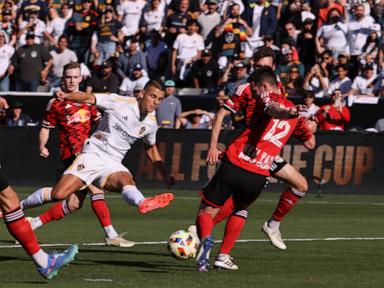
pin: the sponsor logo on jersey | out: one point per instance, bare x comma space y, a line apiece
80, 116
130, 139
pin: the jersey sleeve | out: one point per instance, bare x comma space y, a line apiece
239, 100
301, 131
50, 116
150, 138
95, 114
107, 101
267, 99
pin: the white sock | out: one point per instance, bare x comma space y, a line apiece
36, 223
41, 258
110, 232
132, 195
275, 225
37, 198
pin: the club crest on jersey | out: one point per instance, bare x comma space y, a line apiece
80, 167
142, 130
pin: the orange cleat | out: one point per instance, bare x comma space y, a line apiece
156, 202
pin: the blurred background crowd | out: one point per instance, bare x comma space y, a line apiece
323, 48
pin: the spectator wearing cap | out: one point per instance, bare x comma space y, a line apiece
138, 91
31, 63
55, 26
129, 58
17, 118
80, 29
170, 108
306, 43
205, 73
187, 49
358, 32
129, 13
105, 81
60, 57
33, 5
137, 76
232, 32
107, 35
235, 75
8, 25
208, 20
366, 84
342, 82
153, 18
372, 45
334, 116
156, 55
32, 24
333, 34
6, 52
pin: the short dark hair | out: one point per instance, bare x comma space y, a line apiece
63, 37
263, 74
71, 65
262, 53
343, 66
154, 83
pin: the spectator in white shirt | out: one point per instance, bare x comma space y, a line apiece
309, 102
332, 35
153, 18
138, 76
34, 24
187, 49
55, 26
61, 56
341, 82
129, 13
208, 21
316, 81
365, 84
6, 52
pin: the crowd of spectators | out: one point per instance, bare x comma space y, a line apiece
323, 48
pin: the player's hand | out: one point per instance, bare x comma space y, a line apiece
44, 152
213, 156
3, 103
169, 181
61, 95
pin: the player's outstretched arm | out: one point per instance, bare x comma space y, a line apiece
79, 97
154, 155
213, 152
276, 111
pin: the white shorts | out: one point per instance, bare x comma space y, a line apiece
94, 168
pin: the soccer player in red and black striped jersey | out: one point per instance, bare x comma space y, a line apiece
244, 170
74, 122
243, 100
19, 228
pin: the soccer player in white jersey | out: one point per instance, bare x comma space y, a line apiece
125, 120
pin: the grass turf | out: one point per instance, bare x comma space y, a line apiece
355, 263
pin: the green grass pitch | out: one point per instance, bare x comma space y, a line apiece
309, 262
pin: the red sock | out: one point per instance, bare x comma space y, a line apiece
20, 229
205, 224
55, 212
287, 200
100, 208
225, 211
235, 224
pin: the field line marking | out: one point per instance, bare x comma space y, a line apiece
219, 241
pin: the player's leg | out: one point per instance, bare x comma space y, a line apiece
102, 212
298, 187
19, 228
122, 181
246, 190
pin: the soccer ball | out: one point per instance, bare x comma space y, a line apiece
183, 244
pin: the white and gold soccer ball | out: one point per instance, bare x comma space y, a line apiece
183, 244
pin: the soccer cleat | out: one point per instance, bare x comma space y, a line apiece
224, 261
274, 236
202, 257
58, 260
119, 241
156, 202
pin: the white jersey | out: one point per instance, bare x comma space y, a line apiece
120, 127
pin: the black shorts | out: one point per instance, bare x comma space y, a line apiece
230, 180
277, 165
3, 182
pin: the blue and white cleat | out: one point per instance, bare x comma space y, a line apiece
202, 257
58, 260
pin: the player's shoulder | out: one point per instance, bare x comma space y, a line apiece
52, 104
244, 90
152, 118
